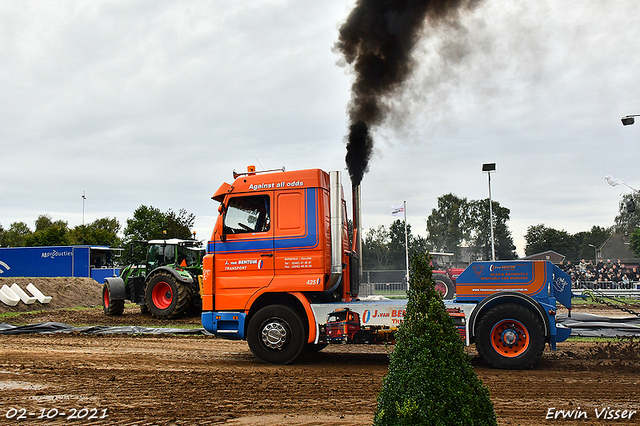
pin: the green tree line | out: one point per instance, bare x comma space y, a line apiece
455, 223
583, 245
458, 223
147, 223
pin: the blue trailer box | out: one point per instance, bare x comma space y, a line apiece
59, 261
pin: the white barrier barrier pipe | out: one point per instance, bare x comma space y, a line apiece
26, 299
8, 297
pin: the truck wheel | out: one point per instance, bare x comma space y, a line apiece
166, 297
110, 306
276, 334
510, 336
444, 286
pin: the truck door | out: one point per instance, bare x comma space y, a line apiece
244, 256
301, 259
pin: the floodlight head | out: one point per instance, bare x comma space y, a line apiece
489, 167
627, 120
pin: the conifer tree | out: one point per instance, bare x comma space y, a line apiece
430, 380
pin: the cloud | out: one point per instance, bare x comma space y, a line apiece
156, 102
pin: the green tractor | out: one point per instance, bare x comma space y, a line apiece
167, 285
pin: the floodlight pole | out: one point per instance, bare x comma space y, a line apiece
490, 167
406, 242
595, 252
84, 197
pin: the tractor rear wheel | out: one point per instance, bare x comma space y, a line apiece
510, 336
166, 297
444, 285
110, 306
276, 334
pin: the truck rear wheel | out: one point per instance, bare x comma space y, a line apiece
444, 285
166, 297
510, 336
110, 306
276, 334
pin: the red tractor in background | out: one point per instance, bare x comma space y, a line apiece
444, 274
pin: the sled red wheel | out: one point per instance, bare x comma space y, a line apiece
510, 338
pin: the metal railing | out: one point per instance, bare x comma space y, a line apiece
629, 289
383, 283
606, 285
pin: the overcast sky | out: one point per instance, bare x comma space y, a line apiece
157, 102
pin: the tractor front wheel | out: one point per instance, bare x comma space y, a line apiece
110, 306
165, 296
510, 336
276, 334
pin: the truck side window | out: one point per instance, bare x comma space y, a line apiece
247, 214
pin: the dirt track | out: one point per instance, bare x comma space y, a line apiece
204, 380
164, 380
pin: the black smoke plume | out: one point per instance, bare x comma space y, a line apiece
376, 41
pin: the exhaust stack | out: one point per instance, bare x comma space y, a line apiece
356, 256
335, 202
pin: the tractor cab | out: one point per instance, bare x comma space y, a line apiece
174, 253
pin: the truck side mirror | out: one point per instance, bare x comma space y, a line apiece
219, 229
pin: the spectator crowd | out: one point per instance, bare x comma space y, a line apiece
604, 274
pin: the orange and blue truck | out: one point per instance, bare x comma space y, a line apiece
281, 261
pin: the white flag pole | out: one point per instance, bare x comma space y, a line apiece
613, 181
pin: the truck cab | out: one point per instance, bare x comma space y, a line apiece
343, 325
280, 240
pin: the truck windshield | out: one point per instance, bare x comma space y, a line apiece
337, 316
247, 214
